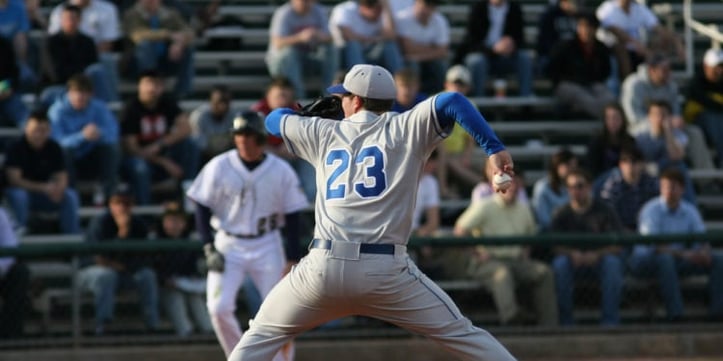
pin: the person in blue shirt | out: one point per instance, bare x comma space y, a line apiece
88, 132
671, 214
550, 193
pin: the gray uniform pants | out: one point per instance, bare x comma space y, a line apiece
330, 284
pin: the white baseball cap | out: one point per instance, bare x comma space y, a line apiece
459, 73
367, 81
713, 57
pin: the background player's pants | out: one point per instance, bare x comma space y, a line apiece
327, 285
263, 260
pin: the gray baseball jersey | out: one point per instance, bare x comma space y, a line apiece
367, 170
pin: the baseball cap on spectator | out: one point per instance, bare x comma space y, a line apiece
459, 74
122, 193
367, 81
713, 57
173, 208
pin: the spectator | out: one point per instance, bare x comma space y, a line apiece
704, 100
183, 288
584, 214
424, 37
280, 94
550, 193
484, 189
14, 26
457, 166
579, 67
71, 52
663, 145
629, 23
111, 272
156, 138
88, 132
426, 209
628, 187
99, 19
37, 176
603, 151
670, 214
653, 82
363, 31
12, 109
210, 123
493, 44
556, 24
408, 90
14, 285
162, 41
35, 15
502, 269
300, 44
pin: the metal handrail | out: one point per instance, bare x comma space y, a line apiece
709, 30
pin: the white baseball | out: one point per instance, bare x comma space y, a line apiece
502, 180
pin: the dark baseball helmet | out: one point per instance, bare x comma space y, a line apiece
247, 121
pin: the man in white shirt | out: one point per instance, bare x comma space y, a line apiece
364, 32
424, 37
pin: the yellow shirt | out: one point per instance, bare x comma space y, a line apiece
492, 217
456, 141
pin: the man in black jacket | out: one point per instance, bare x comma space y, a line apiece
704, 104
493, 46
12, 110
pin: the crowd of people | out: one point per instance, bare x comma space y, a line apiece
612, 63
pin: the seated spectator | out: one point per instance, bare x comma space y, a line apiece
654, 82
424, 37
556, 24
579, 67
183, 288
426, 219
503, 269
36, 17
408, 90
585, 214
14, 285
71, 52
37, 177
628, 187
549, 193
100, 21
704, 100
364, 33
663, 145
111, 272
457, 169
603, 151
210, 123
88, 132
13, 111
629, 23
493, 42
162, 41
14, 26
301, 44
671, 214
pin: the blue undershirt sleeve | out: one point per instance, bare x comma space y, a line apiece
454, 107
291, 232
273, 120
203, 224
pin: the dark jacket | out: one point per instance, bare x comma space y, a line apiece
708, 95
478, 25
8, 63
70, 55
554, 26
568, 62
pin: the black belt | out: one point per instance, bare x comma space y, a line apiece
239, 235
363, 247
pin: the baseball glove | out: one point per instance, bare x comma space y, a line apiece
328, 107
214, 259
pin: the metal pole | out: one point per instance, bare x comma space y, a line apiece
687, 17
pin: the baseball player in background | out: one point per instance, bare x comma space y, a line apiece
247, 196
368, 167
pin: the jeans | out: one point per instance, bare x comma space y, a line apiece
184, 153
13, 111
432, 73
103, 282
14, 296
712, 124
103, 162
178, 305
481, 65
609, 272
146, 58
23, 202
384, 53
294, 63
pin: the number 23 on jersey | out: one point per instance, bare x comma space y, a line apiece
369, 160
